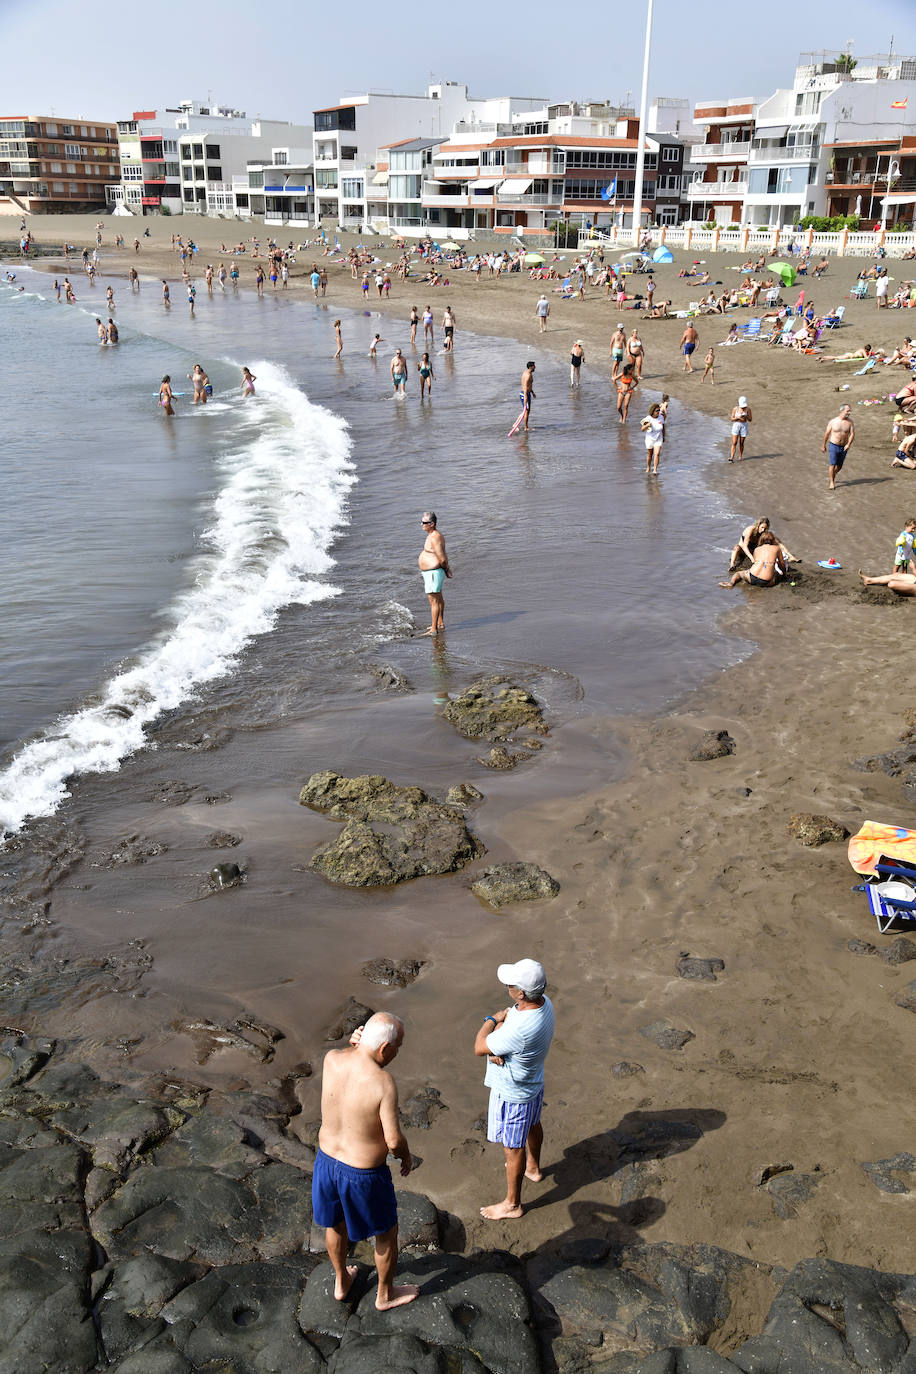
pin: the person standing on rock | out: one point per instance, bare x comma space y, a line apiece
433, 564
515, 1042
353, 1194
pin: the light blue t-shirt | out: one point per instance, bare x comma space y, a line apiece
522, 1041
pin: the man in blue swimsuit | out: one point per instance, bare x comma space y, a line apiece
353, 1195
839, 435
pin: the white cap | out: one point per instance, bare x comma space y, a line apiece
742, 400
527, 974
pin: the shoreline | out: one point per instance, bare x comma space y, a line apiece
678, 855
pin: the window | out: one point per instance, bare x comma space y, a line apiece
610, 158
71, 169
214, 173
56, 167
808, 102
83, 131
326, 120
189, 193
280, 159
71, 150
352, 188
132, 171
347, 153
668, 183
213, 152
670, 154
170, 145
58, 188
493, 157
255, 179
172, 169
51, 130
67, 130
197, 149
72, 187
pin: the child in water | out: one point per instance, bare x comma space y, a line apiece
248, 382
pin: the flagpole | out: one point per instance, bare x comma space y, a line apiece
641, 149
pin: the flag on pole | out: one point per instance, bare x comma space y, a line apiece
899, 104
609, 191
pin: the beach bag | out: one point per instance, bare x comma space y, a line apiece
874, 840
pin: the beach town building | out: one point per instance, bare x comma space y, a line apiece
280, 190
835, 142
569, 163
193, 157
49, 164
347, 136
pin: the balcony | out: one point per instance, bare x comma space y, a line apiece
536, 166
703, 152
807, 152
432, 200
716, 190
527, 199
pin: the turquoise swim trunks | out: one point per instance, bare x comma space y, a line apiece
433, 580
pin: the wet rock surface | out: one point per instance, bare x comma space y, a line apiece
894, 1175
391, 834
494, 708
714, 744
906, 998
391, 973
699, 970
812, 830
666, 1036
899, 951
514, 882
161, 1235
501, 759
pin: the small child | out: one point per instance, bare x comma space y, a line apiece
904, 557
374, 345
710, 368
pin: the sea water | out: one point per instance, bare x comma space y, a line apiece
248, 558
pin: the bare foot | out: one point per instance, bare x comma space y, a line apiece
861, 574
501, 1211
535, 1175
340, 1290
427, 633
398, 1295
726, 585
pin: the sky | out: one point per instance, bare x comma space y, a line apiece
286, 59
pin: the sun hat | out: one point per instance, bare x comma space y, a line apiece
742, 400
527, 974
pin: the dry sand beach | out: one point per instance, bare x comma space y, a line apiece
799, 1055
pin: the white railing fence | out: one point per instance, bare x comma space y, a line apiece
842, 245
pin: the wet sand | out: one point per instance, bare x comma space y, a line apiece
796, 1051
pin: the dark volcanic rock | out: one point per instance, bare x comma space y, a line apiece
421, 1109
501, 759
715, 744
494, 708
514, 882
354, 1014
789, 1190
222, 839
860, 947
699, 970
625, 1069
392, 833
135, 849
392, 679
906, 998
172, 793
885, 1174
391, 974
666, 1036
812, 830
226, 875
463, 794
899, 951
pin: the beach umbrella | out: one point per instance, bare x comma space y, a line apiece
450, 246
533, 259
784, 271
663, 254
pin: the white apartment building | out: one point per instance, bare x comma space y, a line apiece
778, 160
281, 191
346, 137
183, 158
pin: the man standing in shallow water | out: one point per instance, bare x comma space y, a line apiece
353, 1196
433, 564
515, 1041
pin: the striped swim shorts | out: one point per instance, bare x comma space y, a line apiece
508, 1123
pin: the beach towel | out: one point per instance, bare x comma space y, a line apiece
874, 839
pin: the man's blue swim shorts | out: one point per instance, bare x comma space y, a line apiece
363, 1199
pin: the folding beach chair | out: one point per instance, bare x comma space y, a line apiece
869, 364
752, 328
772, 296
785, 337
834, 321
859, 292
893, 898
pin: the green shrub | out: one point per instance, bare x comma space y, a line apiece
899, 228
164, 210
829, 224
734, 226
710, 224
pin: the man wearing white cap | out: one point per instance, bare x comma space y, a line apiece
515, 1041
741, 418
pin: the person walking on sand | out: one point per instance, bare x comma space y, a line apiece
653, 426
515, 1042
689, 340
542, 310
398, 369
165, 395
576, 359
839, 437
617, 349
527, 394
433, 564
741, 418
339, 337
353, 1195
709, 369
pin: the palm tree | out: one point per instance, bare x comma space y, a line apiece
846, 63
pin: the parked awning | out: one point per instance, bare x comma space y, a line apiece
771, 131
380, 179
485, 184
515, 186
899, 198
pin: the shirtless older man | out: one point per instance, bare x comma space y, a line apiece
353, 1196
839, 435
433, 564
768, 558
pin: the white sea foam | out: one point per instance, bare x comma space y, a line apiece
282, 496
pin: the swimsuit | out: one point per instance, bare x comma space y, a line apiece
398, 377
617, 355
688, 349
433, 579
425, 371
758, 581
363, 1199
575, 360
837, 456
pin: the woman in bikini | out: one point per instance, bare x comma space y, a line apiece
749, 540
339, 337
414, 321
626, 385
768, 560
